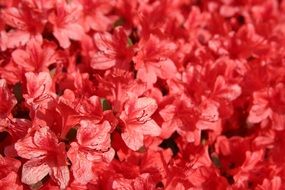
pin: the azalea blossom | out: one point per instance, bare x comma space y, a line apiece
35, 58
137, 121
112, 50
39, 88
46, 156
154, 59
65, 20
26, 23
272, 108
142, 94
92, 147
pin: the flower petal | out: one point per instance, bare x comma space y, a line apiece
34, 170
94, 136
60, 175
150, 128
133, 139
45, 139
27, 149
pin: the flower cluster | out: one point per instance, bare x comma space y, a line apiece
142, 94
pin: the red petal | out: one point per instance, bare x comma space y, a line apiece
81, 167
150, 128
60, 175
101, 61
34, 170
27, 149
45, 139
62, 37
141, 107
22, 58
226, 91
94, 136
38, 84
133, 139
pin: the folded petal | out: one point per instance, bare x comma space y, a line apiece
258, 113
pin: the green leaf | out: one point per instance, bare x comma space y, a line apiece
105, 104
216, 161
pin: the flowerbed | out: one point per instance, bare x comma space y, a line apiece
129, 94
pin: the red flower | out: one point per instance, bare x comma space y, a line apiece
39, 88
153, 59
16, 127
8, 174
273, 184
93, 146
225, 91
183, 94
8, 100
37, 56
250, 163
72, 109
181, 115
65, 20
117, 86
45, 156
96, 15
138, 122
112, 50
26, 23
143, 181
269, 103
